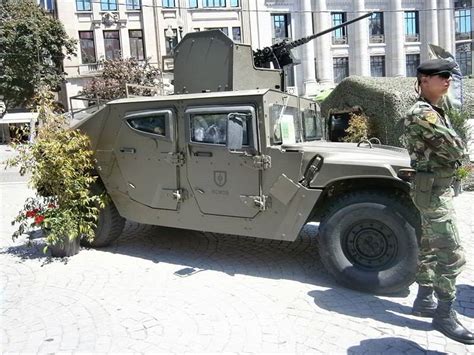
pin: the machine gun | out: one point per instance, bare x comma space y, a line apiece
280, 53
227, 66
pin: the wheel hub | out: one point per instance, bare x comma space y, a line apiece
370, 244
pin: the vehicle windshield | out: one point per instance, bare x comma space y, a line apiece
313, 125
289, 125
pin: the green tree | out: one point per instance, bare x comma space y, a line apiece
117, 73
33, 45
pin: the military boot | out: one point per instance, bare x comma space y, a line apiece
446, 322
424, 305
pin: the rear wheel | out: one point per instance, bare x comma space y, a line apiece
109, 224
368, 242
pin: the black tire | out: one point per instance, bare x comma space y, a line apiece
109, 225
368, 242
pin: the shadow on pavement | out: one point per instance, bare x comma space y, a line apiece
32, 249
198, 251
362, 305
465, 300
390, 345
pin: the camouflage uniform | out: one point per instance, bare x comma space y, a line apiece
435, 149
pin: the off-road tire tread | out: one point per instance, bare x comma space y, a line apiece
109, 226
399, 205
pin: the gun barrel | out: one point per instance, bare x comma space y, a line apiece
301, 41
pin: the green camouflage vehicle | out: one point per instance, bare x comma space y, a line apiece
230, 152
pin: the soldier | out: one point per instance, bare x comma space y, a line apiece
435, 150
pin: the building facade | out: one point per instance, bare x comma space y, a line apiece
391, 42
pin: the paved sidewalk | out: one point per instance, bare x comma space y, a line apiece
168, 290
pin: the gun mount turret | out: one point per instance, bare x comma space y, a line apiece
209, 61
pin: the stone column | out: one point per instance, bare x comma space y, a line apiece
429, 29
445, 19
323, 44
309, 73
396, 39
359, 61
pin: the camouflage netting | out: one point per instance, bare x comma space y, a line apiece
384, 100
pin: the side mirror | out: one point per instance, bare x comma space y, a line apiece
235, 129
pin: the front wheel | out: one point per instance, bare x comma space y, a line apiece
109, 223
368, 242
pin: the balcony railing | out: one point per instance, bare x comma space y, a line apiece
463, 35
377, 39
92, 68
339, 40
414, 37
280, 39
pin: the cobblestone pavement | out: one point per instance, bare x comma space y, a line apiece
168, 290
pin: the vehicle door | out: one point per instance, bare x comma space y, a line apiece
146, 154
222, 182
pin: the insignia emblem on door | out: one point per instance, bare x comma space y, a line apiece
220, 177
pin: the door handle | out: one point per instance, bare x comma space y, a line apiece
203, 154
128, 150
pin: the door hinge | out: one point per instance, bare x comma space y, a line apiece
262, 162
175, 158
259, 202
259, 162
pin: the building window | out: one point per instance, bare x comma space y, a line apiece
213, 3
133, 5
83, 5
377, 65
168, 3
171, 41
47, 5
341, 68
412, 32
87, 45
339, 36
413, 61
462, 18
289, 72
464, 57
137, 49
376, 28
112, 45
108, 5
193, 4
234, 3
281, 27
236, 35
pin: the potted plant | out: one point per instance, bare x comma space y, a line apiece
461, 174
60, 164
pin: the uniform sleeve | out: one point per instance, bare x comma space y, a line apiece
429, 139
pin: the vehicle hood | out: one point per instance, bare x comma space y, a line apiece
344, 160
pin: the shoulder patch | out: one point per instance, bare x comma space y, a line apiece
431, 117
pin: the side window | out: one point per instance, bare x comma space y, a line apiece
211, 127
156, 123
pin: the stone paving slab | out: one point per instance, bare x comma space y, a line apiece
169, 290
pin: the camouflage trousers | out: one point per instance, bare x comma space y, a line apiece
441, 256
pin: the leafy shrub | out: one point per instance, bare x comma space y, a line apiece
61, 166
358, 128
459, 120
116, 74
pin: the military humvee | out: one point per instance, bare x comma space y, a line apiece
230, 152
